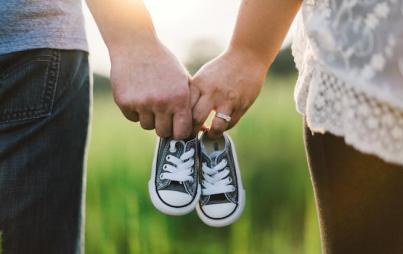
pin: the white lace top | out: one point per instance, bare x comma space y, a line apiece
349, 54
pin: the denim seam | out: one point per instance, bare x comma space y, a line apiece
51, 86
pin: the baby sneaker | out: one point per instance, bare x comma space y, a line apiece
174, 187
222, 198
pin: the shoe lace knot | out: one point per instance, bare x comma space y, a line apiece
217, 179
179, 168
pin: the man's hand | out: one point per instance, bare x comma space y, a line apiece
148, 82
228, 84
151, 86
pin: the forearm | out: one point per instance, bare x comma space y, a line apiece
122, 23
262, 26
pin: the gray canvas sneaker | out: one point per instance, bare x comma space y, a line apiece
174, 187
223, 197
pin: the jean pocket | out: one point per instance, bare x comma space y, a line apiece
27, 84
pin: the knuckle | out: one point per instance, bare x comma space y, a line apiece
149, 101
211, 88
141, 101
180, 95
180, 107
158, 101
124, 101
231, 95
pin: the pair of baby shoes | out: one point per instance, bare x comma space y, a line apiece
199, 173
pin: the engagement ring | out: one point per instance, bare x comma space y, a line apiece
225, 117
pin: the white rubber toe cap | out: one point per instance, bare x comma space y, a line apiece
219, 210
175, 198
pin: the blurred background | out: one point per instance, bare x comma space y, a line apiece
280, 214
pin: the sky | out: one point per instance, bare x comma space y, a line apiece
178, 23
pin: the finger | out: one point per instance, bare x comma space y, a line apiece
146, 120
201, 111
234, 119
194, 94
131, 115
163, 124
219, 125
182, 124
204, 128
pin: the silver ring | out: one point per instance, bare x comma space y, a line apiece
225, 117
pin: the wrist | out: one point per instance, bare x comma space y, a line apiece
144, 42
247, 57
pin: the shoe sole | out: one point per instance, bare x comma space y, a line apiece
241, 199
158, 203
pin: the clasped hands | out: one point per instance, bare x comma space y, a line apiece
152, 87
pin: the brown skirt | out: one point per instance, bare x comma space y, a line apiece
359, 197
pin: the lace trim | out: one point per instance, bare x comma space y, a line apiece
358, 41
369, 125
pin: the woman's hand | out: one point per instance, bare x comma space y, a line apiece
228, 84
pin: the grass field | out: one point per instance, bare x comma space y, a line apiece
279, 216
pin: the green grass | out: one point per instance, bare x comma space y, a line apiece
279, 215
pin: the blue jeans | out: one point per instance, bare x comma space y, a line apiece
44, 117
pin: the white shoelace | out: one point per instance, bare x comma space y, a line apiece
182, 168
217, 179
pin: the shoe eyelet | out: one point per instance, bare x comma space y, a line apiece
168, 157
162, 176
165, 166
229, 179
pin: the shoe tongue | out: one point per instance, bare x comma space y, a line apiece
210, 156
